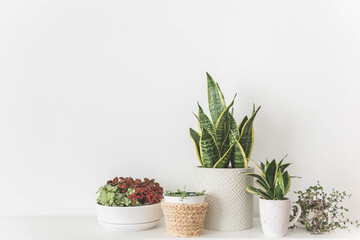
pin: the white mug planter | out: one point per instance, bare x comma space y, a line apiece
186, 200
275, 216
136, 218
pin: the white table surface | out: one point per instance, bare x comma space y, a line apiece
68, 228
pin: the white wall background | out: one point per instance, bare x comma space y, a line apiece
94, 89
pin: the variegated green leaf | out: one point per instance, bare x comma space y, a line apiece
262, 172
287, 182
241, 125
284, 166
221, 95
224, 160
215, 99
262, 166
280, 181
261, 179
238, 159
281, 161
251, 190
196, 138
257, 191
271, 193
271, 173
233, 126
247, 135
205, 121
222, 125
208, 149
225, 145
278, 192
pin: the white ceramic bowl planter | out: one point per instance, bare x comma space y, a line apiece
275, 215
192, 199
136, 218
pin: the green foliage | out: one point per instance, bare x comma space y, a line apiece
183, 193
273, 180
220, 140
322, 212
110, 196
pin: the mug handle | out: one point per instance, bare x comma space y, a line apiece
297, 214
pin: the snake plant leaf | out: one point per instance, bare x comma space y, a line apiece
238, 159
233, 126
260, 184
261, 179
247, 135
196, 116
224, 160
208, 149
221, 95
222, 125
241, 125
287, 182
271, 193
262, 166
257, 191
271, 173
281, 161
261, 170
196, 138
280, 181
252, 190
205, 121
283, 167
198, 121
225, 145
278, 192
215, 99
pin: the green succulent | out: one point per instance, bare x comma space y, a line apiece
221, 140
273, 180
183, 193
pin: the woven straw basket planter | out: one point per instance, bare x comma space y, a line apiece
230, 205
184, 220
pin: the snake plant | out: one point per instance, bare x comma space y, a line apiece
273, 180
220, 140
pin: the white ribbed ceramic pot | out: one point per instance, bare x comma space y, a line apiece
230, 205
275, 216
135, 218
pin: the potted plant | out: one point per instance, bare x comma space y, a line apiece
182, 196
275, 209
223, 148
125, 204
184, 212
322, 212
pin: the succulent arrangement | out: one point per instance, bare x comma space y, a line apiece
221, 140
322, 212
273, 180
125, 192
183, 193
